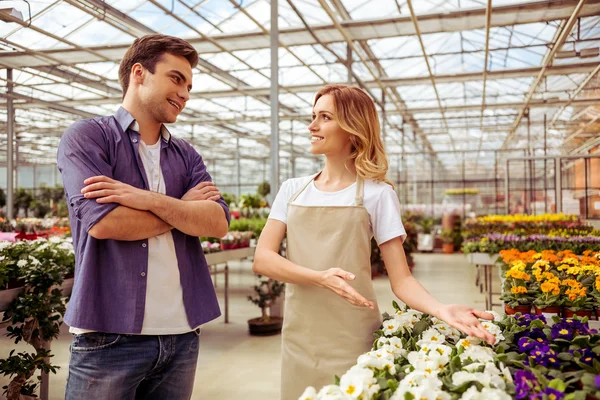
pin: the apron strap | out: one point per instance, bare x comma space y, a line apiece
360, 190
295, 196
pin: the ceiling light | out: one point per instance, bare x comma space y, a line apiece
10, 14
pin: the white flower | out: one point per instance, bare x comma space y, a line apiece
468, 342
478, 354
486, 394
55, 239
420, 378
42, 247
21, 263
34, 261
391, 327
431, 362
494, 330
422, 393
359, 383
431, 335
490, 377
309, 394
381, 359
497, 317
393, 344
506, 373
332, 392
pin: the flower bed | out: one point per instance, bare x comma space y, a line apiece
550, 279
526, 225
493, 243
416, 356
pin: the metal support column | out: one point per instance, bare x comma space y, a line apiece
496, 181
506, 190
383, 119
10, 167
292, 157
274, 96
585, 183
238, 176
545, 168
558, 184
349, 63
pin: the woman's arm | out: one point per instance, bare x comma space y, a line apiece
268, 262
412, 293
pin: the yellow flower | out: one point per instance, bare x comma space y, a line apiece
549, 287
518, 289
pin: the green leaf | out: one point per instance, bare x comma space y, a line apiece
558, 385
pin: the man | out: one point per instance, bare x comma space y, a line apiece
138, 200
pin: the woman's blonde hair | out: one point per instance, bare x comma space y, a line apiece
356, 115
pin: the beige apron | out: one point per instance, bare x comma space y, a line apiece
323, 334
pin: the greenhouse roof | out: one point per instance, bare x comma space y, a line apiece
447, 75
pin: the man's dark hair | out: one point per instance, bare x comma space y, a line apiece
149, 49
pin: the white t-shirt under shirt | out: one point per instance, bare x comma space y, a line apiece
164, 312
379, 199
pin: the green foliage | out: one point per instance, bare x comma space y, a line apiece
35, 315
264, 189
23, 199
229, 198
254, 225
266, 292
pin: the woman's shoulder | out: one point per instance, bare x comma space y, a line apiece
295, 184
377, 188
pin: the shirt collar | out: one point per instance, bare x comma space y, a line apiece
126, 121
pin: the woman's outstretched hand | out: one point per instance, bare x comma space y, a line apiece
466, 319
335, 279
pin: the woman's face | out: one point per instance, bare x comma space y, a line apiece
327, 136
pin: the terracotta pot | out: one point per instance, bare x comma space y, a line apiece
581, 313
447, 248
548, 310
519, 309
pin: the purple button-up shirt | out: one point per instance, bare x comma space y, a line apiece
109, 293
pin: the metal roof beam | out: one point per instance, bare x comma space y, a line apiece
467, 19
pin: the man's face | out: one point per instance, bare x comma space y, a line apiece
165, 93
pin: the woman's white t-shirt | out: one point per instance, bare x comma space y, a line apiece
379, 199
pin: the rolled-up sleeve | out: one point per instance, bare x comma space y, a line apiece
83, 152
200, 174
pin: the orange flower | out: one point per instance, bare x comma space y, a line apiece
518, 289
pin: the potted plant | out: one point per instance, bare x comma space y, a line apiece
517, 293
549, 298
447, 237
577, 301
266, 292
425, 238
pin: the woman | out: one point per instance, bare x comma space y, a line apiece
330, 309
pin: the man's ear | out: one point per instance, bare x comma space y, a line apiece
138, 73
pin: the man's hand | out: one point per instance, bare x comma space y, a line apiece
107, 190
203, 191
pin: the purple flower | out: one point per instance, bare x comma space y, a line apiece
524, 382
587, 356
563, 330
549, 393
597, 381
525, 320
525, 345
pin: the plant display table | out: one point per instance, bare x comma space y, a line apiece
218, 263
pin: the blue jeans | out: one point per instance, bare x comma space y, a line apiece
106, 366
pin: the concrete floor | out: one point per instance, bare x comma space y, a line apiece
227, 349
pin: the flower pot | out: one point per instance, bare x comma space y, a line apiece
548, 310
258, 327
518, 309
581, 313
447, 248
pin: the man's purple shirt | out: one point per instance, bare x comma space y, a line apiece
109, 292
